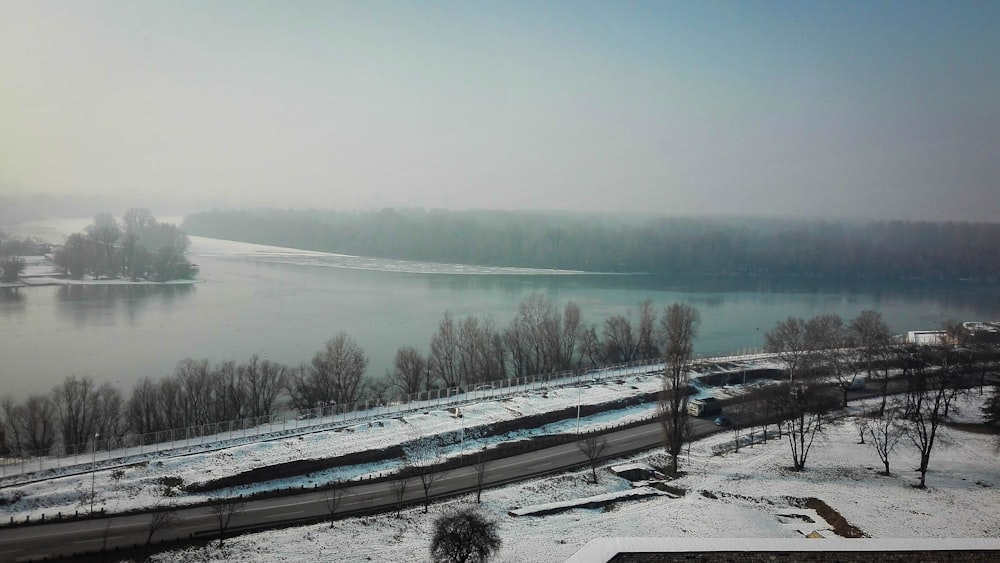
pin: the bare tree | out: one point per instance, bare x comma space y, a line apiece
493, 362
194, 386
31, 426
231, 396
619, 338
873, 337
333, 376
161, 518
480, 468
471, 349
332, 500
832, 349
75, 399
222, 510
735, 415
680, 327
134, 257
788, 340
410, 370
423, 455
928, 394
534, 336
593, 447
805, 408
105, 232
109, 414
591, 347
399, 487
464, 536
76, 255
645, 340
571, 333
885, 431
143, 408
262, 383
443, 359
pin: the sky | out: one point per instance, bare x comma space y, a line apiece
827, 109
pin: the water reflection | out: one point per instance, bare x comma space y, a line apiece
12, 301
88, 305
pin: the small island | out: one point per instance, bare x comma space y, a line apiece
137, 249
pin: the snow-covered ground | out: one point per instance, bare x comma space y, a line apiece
39, 270
733, 495
141, 484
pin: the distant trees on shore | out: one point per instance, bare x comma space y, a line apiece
137, 247
12, 252
674, 246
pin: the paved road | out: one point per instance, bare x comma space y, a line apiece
62, 539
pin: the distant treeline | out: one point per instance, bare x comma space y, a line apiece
674, 246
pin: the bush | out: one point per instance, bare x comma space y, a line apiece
464, 536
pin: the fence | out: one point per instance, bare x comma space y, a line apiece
106, 452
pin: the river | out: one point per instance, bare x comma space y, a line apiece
284, 304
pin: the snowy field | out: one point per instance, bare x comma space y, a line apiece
747, 495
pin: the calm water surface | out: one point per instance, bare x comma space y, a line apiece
284, 304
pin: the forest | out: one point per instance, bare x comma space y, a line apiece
661, 245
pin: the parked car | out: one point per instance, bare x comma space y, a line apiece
723, 420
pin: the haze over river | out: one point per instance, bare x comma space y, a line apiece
284, 304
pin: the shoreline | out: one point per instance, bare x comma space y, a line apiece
52, 282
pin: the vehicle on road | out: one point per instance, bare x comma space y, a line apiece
723, 420
704, 407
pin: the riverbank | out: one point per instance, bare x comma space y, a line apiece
39, 271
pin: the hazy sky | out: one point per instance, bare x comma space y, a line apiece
887, 109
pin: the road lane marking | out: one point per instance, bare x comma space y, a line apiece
100, 539
281, 514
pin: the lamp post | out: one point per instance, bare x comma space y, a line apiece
461, 415
579, 399
93, 473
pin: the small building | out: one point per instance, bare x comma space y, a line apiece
925, 337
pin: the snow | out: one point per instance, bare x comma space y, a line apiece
751, 489
602, 549
39, 271
551, 507
122, 488
219, 248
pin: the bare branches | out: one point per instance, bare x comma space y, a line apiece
593, 447
680, 326
885, 431
222, 510
332, 500
464, 536
423, 454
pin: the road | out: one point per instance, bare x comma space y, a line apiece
67, 538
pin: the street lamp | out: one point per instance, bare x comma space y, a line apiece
93, 473
579, 399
